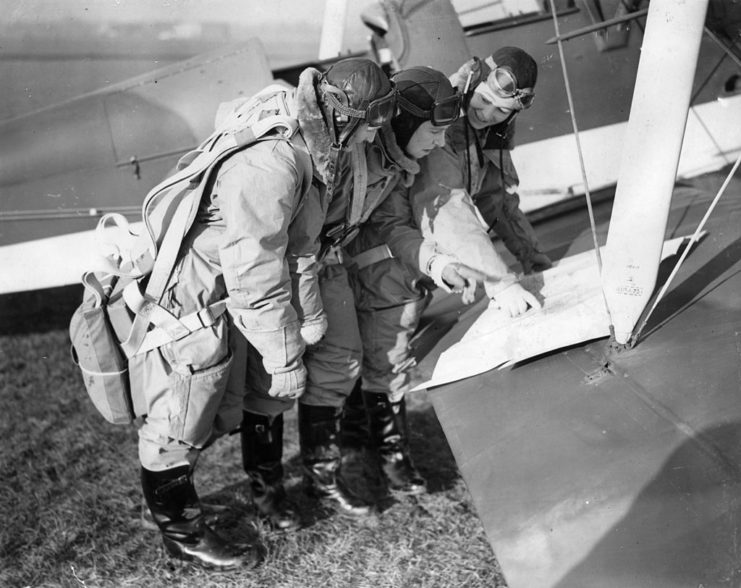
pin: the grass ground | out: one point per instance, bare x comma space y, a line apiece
70, 500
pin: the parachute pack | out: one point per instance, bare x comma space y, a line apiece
120, 315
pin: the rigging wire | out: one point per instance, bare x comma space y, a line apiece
581, 158
686, 251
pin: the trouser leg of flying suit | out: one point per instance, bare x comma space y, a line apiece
333, 366
387, 327
261, 436
180, 400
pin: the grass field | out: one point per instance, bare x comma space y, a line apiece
70, 499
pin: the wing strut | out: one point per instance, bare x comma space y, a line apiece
651, 150
695, 237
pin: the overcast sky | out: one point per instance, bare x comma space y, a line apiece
302, 19
237, 11
50, 35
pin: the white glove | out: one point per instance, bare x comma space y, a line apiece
313, 330
514, 300
289, 384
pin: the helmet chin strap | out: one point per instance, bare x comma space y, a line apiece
350, 127
340, 138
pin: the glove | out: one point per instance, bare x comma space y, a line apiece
289, 384
514, 300
313, 330
471, 68
537, 262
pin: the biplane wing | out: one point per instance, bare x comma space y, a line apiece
64, 166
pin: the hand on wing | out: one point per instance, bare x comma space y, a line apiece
515, 300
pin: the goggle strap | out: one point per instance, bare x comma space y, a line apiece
337, 105
412, 108
415, 110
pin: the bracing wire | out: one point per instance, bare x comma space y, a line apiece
686, 251
581, 156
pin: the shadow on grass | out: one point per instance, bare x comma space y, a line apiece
360, 470
39, 311
430, 450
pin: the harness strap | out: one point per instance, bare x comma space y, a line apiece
372, 204
201, 164
302, 151
158, 315
284, 125
200, 319
333, 256
361, 208
360, 185
371, 256
92, 284
163, 264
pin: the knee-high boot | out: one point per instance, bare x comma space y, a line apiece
262, 455
354, 424
390, 437
319, 428
173, 501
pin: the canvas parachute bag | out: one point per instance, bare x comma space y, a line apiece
120, 315
97, 352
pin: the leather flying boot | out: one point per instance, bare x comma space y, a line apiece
390, 436
262, 454
319, 428
354, 423
173, 501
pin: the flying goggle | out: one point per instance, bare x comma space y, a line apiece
376, 114
443, 112
503, 83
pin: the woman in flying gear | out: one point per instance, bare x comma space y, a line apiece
333, 364
356, 101
253, 241
437, 215
499, 88
389, 296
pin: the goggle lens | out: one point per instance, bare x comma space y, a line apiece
446, 111
378, 112
504, 83
526, 99
381, 110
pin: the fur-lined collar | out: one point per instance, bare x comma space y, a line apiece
311, 122
316, 135
395, 155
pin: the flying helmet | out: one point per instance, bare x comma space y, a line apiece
423, 94
356, 91
510, 72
